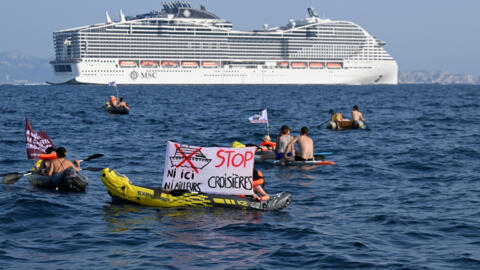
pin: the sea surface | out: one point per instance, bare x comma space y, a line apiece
404, 194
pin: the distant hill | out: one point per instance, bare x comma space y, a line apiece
437, 77
19, 68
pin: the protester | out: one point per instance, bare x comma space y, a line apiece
336, 117
258, 185
305, 146
122, 104
282, 141
267, 143
61, 163
44, 165
113, 101
357, 117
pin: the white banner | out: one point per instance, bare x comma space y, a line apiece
215, 170
259, 118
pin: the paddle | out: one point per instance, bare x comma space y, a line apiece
323, 123
92, 157
14, 177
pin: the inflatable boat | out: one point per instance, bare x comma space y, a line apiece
346, 124
115, 110
119, 188
68, 180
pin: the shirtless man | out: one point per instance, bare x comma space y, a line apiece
60, 164
305, 146
122, 104
356, 114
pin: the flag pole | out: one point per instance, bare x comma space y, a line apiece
268, 126
116, 89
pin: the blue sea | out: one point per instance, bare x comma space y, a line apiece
404, 194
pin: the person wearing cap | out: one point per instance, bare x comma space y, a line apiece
61, 163
305, 146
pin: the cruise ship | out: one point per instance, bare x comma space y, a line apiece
185, 45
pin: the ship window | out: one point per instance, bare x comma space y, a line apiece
63, 68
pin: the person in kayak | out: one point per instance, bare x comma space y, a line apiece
357, 116
122, 104
44, 165
61, 163
113, 101
258, 185
305, 146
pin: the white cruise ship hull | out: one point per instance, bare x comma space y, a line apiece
380, 72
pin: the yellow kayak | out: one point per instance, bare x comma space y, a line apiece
119, 187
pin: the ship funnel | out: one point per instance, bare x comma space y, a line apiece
122, 17
108, 17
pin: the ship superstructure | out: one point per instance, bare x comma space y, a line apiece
184, 45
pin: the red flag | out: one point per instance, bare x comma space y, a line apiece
36, 142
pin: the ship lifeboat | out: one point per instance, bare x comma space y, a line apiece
128, 63
299, 65
316, 65
149, 63
209, 64
334, 65
189, 64
169, 64
283, 64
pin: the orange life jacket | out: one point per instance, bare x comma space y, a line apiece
52, 155
113, 101
259, 180
268, 144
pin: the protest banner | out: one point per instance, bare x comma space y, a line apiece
214, 170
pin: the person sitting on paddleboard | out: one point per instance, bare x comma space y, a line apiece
258, 185
267, 143
305, 146
282, 141
357, 116
122, 104
61, 163
45, 163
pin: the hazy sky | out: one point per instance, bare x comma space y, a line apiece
420, 34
